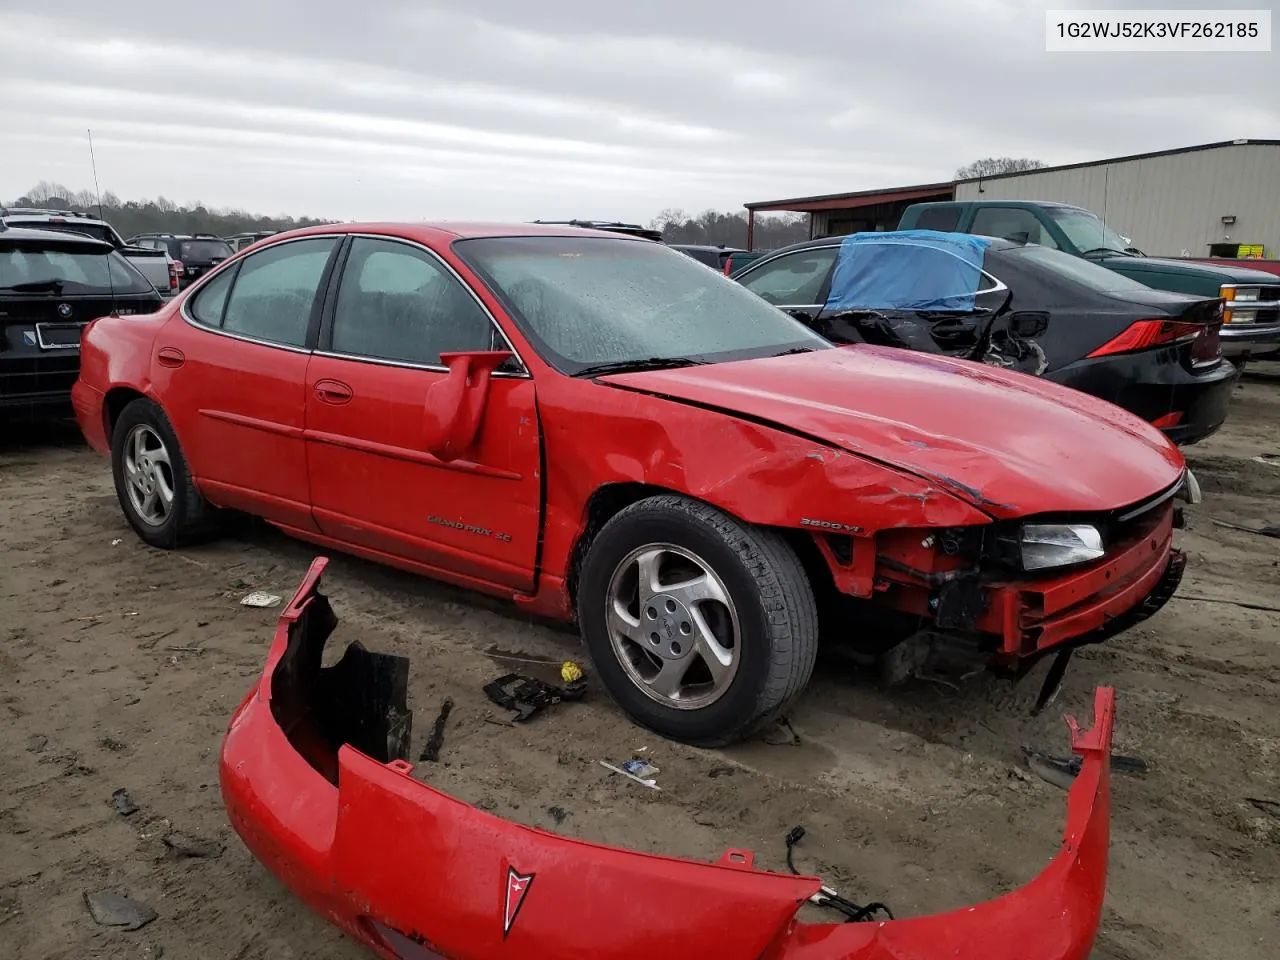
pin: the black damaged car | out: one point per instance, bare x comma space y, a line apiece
1015, 305
51, 284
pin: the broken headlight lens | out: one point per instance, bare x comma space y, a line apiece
1046, 545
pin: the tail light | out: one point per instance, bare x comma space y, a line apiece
175, 273
1149, 333
728, 266
1207, 348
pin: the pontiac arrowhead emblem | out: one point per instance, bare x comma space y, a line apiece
517, 889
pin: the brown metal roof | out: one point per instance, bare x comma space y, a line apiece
860, 198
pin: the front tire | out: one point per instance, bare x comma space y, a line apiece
704, 629
153, 482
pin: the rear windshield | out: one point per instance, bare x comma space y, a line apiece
1081, 271
99, 231
43, 267
203, 250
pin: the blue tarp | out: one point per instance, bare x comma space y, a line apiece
907, 270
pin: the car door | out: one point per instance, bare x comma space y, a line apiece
374, 392
231, 371
797, 281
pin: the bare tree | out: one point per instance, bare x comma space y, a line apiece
990, 166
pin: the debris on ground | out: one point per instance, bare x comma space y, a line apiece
112, 910
123, 802
640, 768
1261, 531
651, 784
431, 751
827, 897
1242, 604
781, 734
528, 695
196, 848
36, 743
1270, 807
260, 599
558, 814
1062, 771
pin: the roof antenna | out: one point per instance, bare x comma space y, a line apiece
93, 162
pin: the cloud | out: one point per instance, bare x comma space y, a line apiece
512, 110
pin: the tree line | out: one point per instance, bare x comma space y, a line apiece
131, 217
714, 227
730, 229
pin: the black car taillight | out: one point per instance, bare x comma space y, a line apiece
1206, 349
1145, 334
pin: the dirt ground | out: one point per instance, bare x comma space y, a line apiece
120, 664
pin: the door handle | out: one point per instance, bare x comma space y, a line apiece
333, 391
170, 357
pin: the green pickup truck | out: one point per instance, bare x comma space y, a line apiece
1251, 318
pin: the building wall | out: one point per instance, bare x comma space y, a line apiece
1170, 205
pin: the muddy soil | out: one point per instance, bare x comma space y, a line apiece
120, 664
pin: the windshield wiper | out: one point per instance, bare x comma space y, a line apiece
627, 366
1106, 250
792, 351
36, 286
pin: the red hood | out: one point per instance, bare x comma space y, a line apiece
1009, 443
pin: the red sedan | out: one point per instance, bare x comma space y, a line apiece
598, 427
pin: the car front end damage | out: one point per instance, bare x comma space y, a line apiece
315, 782
1009, 592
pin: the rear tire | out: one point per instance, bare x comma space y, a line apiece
704, 629
153, 482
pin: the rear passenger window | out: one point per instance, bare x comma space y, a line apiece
275, 291
942, 219
397, 302
206, 306
1011, 223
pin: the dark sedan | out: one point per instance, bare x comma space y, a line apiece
1015, 305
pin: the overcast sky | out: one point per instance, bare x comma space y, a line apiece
514, 109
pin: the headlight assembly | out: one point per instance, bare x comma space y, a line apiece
1046, 545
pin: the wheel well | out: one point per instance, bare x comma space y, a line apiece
610, 500
113, 405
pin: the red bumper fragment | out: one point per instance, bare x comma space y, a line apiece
413, 873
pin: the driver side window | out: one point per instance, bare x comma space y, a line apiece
794, 280
398, 303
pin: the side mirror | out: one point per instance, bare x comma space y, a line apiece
1028, 324
455, 405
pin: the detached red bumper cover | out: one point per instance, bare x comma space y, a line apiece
315, 783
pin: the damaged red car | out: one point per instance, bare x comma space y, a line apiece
316, 782
597, 427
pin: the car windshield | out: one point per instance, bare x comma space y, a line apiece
203, 250
590, 301
1092, 275
1086, 231
46, 267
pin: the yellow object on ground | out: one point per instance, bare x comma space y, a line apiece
570, 671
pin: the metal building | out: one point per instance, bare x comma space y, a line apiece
1216, 199
1172, 203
